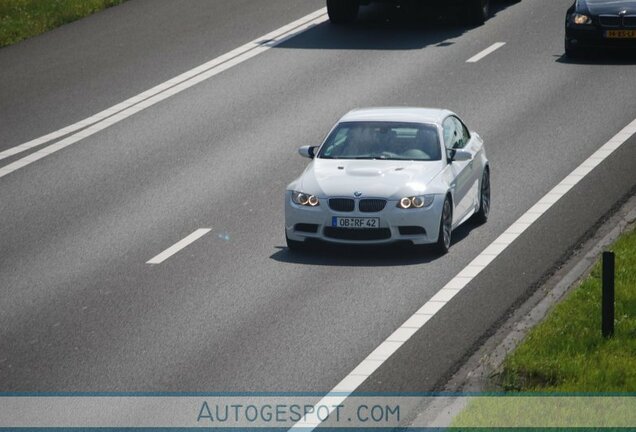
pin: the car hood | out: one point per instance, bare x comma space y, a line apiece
370, 178
596, 7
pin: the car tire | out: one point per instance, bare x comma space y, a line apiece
445, 228
481, 217
342, 11
294, 245
477, 12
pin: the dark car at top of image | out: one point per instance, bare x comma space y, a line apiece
473, 12
591, 24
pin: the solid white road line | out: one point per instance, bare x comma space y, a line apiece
387, 348
117, 113
179, 245
491, 49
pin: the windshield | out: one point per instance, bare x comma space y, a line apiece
382, 140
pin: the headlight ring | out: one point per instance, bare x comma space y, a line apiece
416, 202
304, 199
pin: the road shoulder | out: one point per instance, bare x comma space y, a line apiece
478, 374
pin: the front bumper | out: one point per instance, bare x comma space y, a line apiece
417, 226
593, 36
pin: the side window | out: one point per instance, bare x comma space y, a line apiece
463, 136
450, 132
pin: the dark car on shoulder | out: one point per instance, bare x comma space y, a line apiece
474, 12
592, 24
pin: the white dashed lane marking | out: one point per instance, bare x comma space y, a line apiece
491, 49
179, 246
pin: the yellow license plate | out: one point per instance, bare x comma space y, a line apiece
620, 34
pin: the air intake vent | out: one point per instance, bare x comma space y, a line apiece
372, 205
629, 21
308, 228
358, 234
610, 20
342, 204
411, 230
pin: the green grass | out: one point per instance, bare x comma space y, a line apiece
566, 352
562, 413
20, 19
565, 355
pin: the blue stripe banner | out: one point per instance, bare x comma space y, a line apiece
275, 412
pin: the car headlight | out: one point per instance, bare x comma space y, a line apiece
304, 199
416, 202
581, 19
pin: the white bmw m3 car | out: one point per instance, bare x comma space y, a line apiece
387, 175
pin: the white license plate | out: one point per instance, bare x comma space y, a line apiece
355, 222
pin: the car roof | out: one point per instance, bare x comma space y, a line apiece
397, 114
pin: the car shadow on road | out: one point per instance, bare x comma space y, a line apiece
400, 254
387, 27
601, 58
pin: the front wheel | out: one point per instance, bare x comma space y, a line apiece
477, 12
445, 228
484, 199
342, 11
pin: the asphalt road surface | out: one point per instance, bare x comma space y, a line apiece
82, 310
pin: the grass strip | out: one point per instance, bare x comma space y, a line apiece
21, 19
566, 352
592, 380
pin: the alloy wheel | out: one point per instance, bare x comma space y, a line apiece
447, 223
485, 194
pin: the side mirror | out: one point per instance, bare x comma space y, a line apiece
308, 151
459, 155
